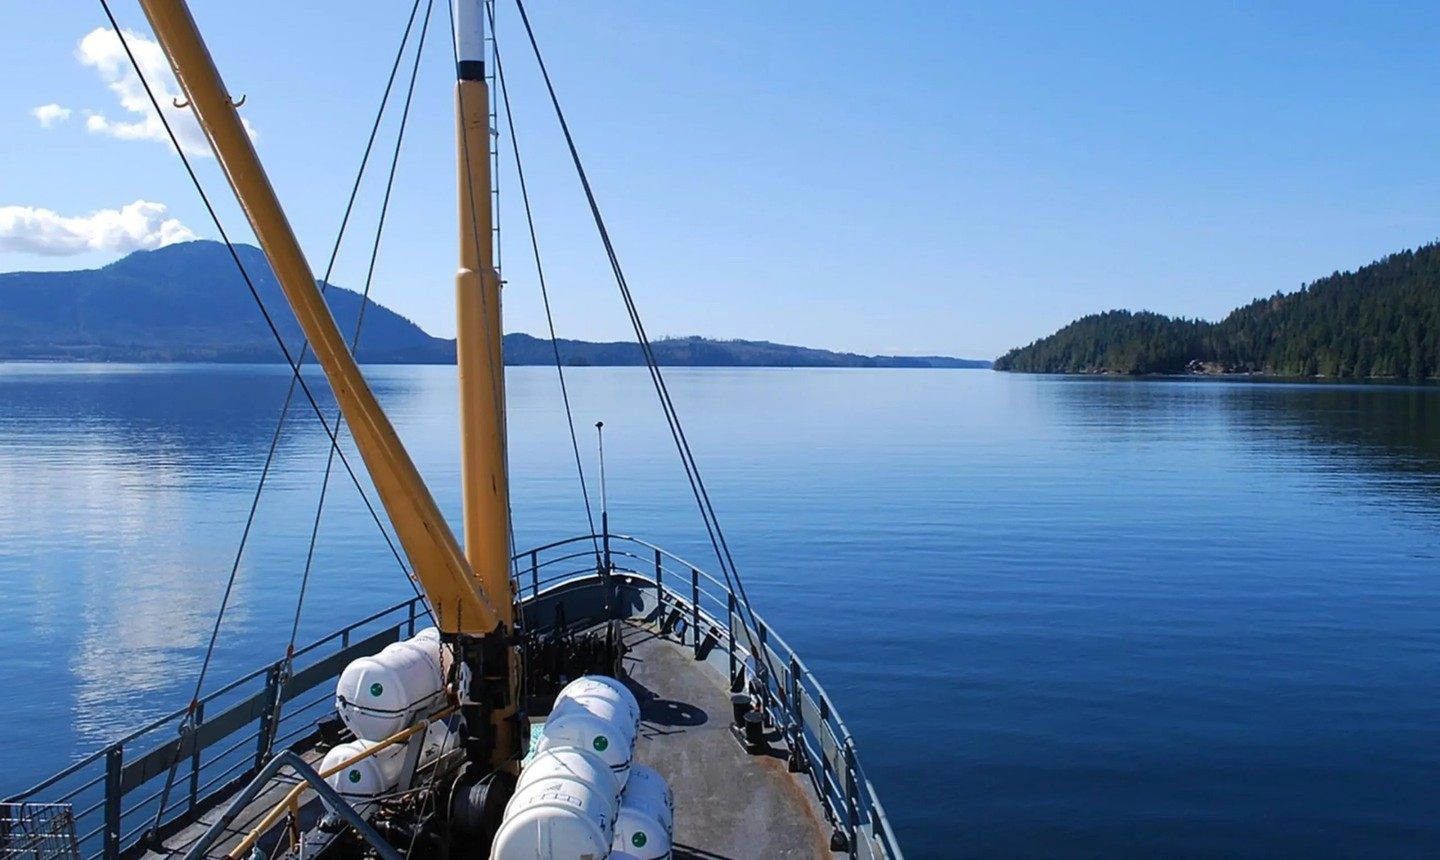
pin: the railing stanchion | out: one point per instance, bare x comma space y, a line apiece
730, 622
410, 627
114, 758
762, 664
827, 771
195, 754
660, 586
794, 691
852, 791
797, 719
695, 609
267, 716
534, 572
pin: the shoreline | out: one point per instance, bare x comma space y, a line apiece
241, 361
1234, 376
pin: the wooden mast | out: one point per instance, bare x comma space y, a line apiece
460, 604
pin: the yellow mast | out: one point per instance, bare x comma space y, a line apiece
461, 606
478, 336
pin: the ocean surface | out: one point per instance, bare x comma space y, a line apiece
1064, 616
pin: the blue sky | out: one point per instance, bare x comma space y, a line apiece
923, 177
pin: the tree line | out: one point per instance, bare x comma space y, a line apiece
1381, 321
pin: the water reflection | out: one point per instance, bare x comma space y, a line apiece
145, 606
123, 490
210, 416
1380, 437
1392, 428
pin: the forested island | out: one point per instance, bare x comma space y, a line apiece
187, 302
1381, 321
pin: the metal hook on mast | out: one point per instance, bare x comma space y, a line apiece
181, 104
185, 103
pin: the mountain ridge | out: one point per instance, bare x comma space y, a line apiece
187, 302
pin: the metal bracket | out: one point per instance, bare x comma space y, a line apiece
413, 748
337, 804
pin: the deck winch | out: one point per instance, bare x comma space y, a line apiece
481, 677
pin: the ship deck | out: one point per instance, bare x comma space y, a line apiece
180, 843
729, 805
688, 633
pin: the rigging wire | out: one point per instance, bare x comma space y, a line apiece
354, 343
325, 285
245, 275
296, 378
540, 276
677, 432
364, 305
702, 497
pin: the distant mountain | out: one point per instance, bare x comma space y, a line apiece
187, 302
1381, 321
184, 302
705, 352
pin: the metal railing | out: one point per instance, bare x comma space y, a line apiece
704, 612
115, 792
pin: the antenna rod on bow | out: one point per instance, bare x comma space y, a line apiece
604, 505
600, 442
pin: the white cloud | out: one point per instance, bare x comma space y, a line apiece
101, 49
50, 114
140, 225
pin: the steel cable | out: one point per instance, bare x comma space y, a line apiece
296, 378
697, 485
544, 290
354, 343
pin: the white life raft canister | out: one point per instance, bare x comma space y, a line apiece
380, 695
597, 715
379, 774
367, 779
564, 808
571, 763
645, 823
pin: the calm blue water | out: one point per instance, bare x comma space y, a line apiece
1073, 617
